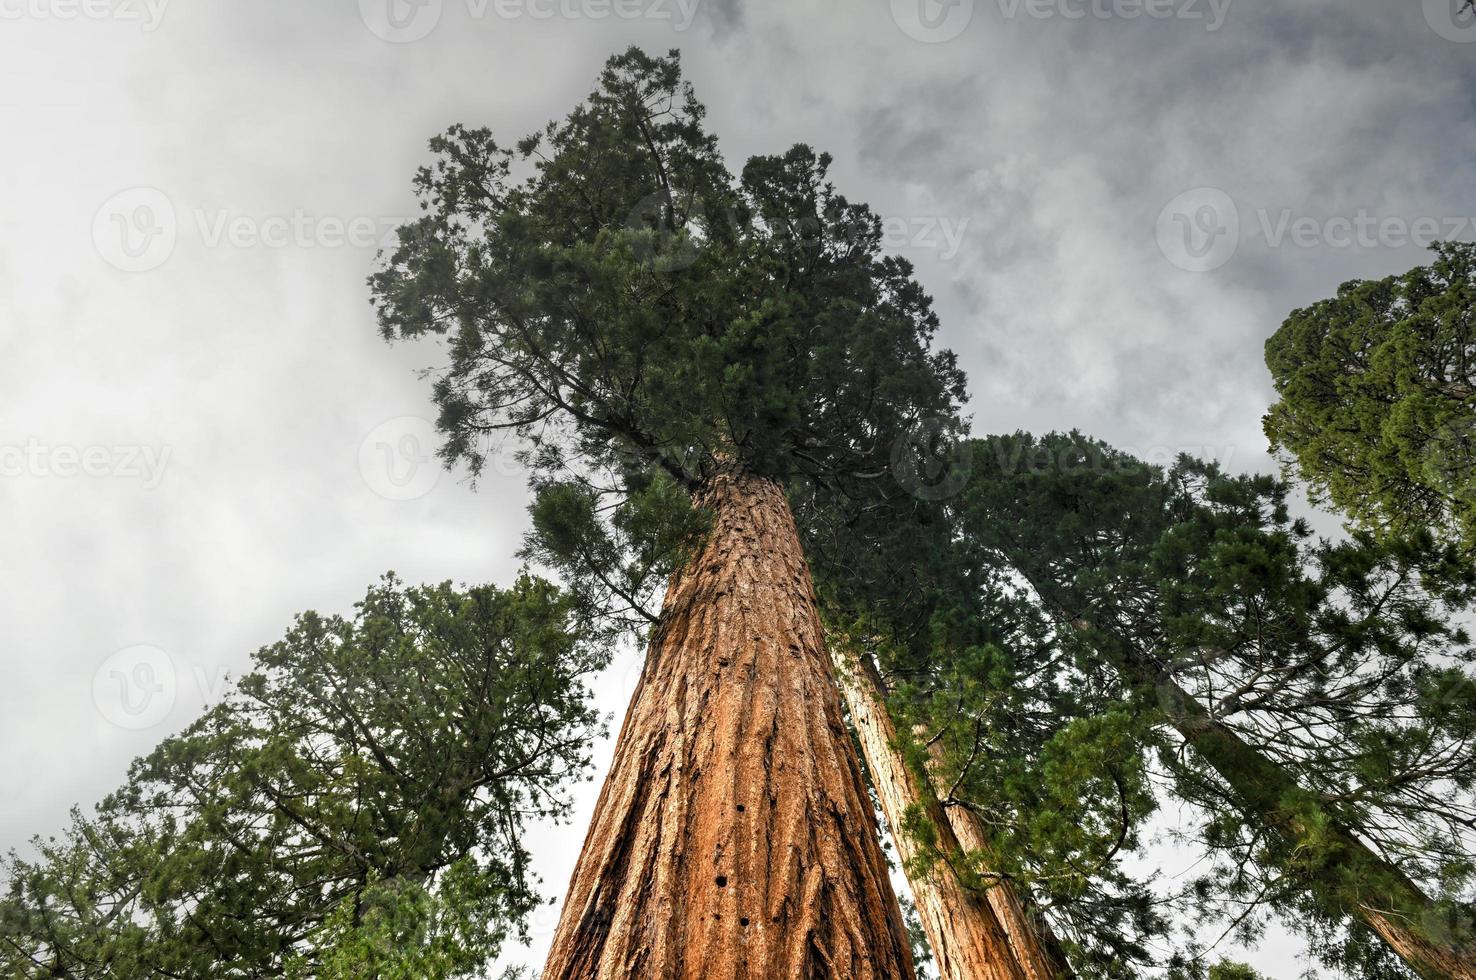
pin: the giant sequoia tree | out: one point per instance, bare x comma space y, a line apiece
1313, 698
661, 337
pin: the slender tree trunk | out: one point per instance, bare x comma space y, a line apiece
975, 934
1370, 889
1035, 945
733, 838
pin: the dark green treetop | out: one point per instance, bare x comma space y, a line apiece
1377, 397
628, 295
353, 808
635, 316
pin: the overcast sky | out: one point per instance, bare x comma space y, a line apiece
201, 432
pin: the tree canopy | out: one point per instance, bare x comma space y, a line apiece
1377, 397
354, 807
1300, 695
635, 317
607, 287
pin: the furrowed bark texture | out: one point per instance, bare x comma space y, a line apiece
733, 838
974, 935
1370, 889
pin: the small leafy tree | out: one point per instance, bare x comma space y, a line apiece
353, 808
990, 713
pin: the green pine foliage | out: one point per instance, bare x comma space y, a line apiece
353, 808
1329, 685
1377, 398
615, 304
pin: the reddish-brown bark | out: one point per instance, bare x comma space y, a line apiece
975, 934
733, 838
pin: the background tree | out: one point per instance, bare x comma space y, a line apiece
1377, 391
352, 808
943, 647
976, 928
1312, 698
640, 322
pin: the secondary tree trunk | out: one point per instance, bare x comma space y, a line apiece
733, 838
1035, 945
975, 934
1371, 889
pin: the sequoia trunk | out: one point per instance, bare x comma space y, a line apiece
733, 838
976, 934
